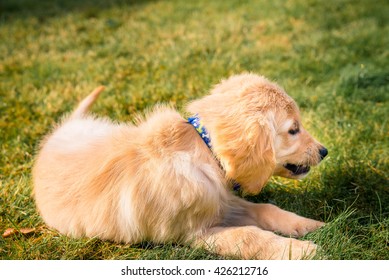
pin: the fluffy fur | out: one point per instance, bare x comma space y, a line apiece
158, 181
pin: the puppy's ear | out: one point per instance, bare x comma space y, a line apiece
247, 152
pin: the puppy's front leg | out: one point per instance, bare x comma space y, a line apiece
273, 218
250, 242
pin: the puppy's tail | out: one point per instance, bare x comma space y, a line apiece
85, 104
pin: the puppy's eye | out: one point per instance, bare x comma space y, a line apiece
294, 131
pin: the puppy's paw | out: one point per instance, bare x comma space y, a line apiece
282, 248
299, 250
303, 226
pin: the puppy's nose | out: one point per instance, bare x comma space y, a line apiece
323, 152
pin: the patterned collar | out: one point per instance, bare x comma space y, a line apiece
195, 121
201, 130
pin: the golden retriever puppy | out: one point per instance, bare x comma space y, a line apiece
169, 179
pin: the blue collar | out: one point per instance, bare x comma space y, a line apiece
203, 132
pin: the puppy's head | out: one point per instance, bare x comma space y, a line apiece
256, 131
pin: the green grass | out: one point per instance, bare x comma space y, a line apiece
331, 56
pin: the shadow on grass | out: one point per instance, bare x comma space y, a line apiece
366, 86
360, 188
353, 201
46, 9
340, 13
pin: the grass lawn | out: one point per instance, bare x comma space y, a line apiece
331, 56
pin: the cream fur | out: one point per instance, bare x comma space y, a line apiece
158, 181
